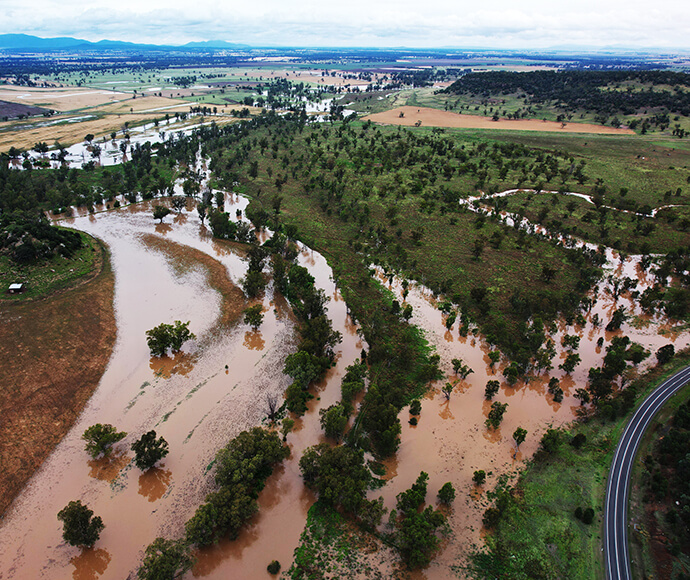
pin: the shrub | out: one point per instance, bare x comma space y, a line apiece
273, 567
479, 477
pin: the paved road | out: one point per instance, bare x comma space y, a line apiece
616, 510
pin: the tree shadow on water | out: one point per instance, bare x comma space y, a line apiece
154, 482
90, 564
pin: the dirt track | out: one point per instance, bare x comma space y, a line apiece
437, 118
52, 355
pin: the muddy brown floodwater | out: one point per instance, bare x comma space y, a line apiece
175, 271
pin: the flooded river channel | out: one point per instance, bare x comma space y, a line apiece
219, 385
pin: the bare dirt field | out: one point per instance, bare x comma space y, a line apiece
52, 355
437, 118
64, 99
13, 110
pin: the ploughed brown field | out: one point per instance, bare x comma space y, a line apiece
52, 355
437, 118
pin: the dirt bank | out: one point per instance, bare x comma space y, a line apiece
437, 118
52, 355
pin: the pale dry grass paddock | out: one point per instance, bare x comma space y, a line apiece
437, 118
60, 99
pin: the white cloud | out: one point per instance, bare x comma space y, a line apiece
502, 23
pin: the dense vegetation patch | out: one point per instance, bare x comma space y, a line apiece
667, 485
604, 92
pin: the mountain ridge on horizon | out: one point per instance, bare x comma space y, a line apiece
20, 42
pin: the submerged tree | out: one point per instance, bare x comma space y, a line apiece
168, 336
165, 559
79, 527
100, 438
496, 414
149, 450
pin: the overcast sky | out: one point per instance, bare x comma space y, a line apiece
411, 23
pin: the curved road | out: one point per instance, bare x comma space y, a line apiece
616, 509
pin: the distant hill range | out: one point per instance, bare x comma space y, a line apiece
28, 43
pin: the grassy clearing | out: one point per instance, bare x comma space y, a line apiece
46, 277
538, 527
577, 217
333, 547
506, 104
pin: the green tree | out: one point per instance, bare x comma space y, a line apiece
519, 436
417, 539
79, 527
302, 367
165, 336
446, 494
665, 354
253, 283
447, 390
149, 450
479, 476
249, 458
253, 316
551, 440
494, 357
100, 438
179, 202
333, 421
286, 426
461, 369
496, 414
165, 560
411, 499
570, 362
491, 389
337, 475
202, 210
159, 212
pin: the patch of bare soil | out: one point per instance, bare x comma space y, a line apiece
426, 117
52, 355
